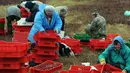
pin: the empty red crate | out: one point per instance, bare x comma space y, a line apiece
9, 65
107, 68
79, 69
75, 71
13, 49
26, 58
71, 42
20, 36
98, 44
47, 48
9, 71
45, 52
24, 12
111, 36
22, 28
46, 43
45, 35
23, 69
47, 67
41, 58
77, 50
116, 72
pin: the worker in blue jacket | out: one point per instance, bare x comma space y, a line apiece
48, 19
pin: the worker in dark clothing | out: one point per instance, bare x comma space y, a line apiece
33, 8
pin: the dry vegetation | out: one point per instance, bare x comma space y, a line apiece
79, 16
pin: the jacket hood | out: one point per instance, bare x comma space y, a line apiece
120, 39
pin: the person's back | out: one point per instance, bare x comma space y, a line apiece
33, 7
102, 25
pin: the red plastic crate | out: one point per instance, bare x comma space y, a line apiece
71, 42
22, 28
9, 71
24, 15
47, 48
46, 43
45, 52
18, 38
47, 67
13, 49
23, 69
111, 36
107, 67
49, 36
77, 50
24, 12
26, 58
79, 69
116, 72
2, 20
99, 44
50, 31
9, 65
74, 71
41, 58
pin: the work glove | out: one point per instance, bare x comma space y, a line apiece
124, 71
103, 62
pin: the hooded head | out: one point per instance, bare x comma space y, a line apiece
49, 10
29, 5
118, 39
95, 14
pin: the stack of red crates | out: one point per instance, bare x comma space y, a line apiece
13, 57
20, 33
73, 44
102, 43
46, 67
46, 46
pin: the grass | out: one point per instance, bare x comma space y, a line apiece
79, 15
3, 11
